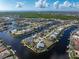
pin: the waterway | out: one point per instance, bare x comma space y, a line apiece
24, 53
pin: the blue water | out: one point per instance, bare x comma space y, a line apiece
24, 53
61, 46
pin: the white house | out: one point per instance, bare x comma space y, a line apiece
40, 45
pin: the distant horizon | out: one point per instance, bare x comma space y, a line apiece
38, 11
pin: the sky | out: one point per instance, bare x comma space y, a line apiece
39, 5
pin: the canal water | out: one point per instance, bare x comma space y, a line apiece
24, 53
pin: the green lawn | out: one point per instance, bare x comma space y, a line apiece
40, 15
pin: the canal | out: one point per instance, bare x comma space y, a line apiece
24, 53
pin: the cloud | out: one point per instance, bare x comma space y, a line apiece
76, 5
41, 4
56, 5
65, 4
19, 4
